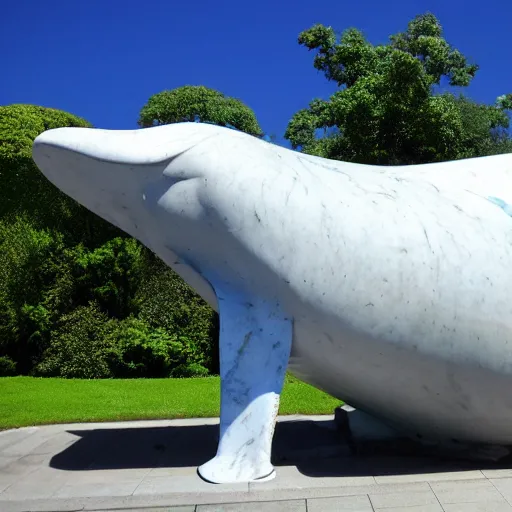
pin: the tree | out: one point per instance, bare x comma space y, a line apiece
78, 297
187, 102
484, 128
25, 190
387, 111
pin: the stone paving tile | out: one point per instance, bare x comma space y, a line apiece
167, 500
18, 469
431, 477
5, 482
41, 483
108, 476
172, 509
434, 507
398, 488
22, 468
173, 472
403, 499
5, 461
11, 437
289, 477
184, 508
38, 506
35, 460
55, 444
80, 490
329, 492
182, 484
275, 506
497, 473
501, 506
345, 504
503, 485
101, 483
472, 491
26, 445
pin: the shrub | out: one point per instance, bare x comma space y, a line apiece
142, 351
26, 191
79, 347
7, 367
187, 102
108, 275
89, 345
166, 301
78, 298
31, 289
190, 370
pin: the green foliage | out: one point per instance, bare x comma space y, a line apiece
386, 111
424, 40
28, 289
88, 344
41, 280
71, 290
109, 274
23, 187
142, 351
166, 301
21, 124
184, 103
79, 346
484, 128
504, 102
7, 367
25, 191
69, 311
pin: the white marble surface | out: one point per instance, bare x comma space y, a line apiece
255, 342
396, 279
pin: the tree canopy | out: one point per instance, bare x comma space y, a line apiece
23, 187
387, 110
26, 192
187, 102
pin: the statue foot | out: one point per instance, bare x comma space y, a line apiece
226, 470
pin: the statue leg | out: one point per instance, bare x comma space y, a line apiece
255, 344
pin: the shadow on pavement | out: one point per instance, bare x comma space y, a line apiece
316, 448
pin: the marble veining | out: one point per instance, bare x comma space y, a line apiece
386, 286
507, 208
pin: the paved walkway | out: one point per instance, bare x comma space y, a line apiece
151, 466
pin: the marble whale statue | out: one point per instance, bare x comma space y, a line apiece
388, 287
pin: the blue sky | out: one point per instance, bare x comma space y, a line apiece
102, 60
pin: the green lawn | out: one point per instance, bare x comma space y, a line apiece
32, 401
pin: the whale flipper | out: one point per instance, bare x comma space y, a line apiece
255, 344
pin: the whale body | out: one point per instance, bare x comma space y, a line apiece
387, 287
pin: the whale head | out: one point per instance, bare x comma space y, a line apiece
115, 173
156, 184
